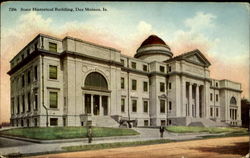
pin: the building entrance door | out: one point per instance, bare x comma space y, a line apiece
105, 105
96, 105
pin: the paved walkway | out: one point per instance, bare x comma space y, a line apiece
146, 134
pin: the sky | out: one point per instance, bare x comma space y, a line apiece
219, 30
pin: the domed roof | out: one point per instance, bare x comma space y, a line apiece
153, 39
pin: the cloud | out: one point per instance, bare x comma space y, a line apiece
200, 21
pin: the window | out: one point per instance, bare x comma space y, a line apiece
22, 56
122, 61
145, 86
36, 102
133, 65
211, 112
145, 122
162, 106
28, 76
35, 73
23, 99
134, 105
52, 47
217, 97
122, 83
145, 106
23, 81
169, 68
233, 101
53, 121
169, 122
169, 85
162, 69
28, 122
216, 84
134, 83
53, 99
211, 97
163, 122
123, 105
52, 72
12, 105
145, 68
96, 80
162, 87
217, 112
35, 122
170, 105
29, 106
28, 51
22, 123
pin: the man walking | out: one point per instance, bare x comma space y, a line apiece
162, 129
90, 134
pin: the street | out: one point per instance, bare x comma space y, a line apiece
5, 142
230, 147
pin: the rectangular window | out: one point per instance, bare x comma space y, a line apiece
52, 47
134, 84
145, 68
145, 106
217, 112
12, 106
23, 99
52, 72
162, 69
122, 83
122, 61
145, 122
145, 86
216, 84
162, 106
28, 77
35, 122
53, 121
211, 96
133, 65
211, 112
170, 105
163, 122
134, 105
169, 68
29, 106
162, 87
53, 99
217, 97
123, 105
169, 85
35, 73
36, 102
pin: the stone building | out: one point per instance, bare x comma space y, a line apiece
71, 82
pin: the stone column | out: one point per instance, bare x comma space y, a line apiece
197, 101
190, 99
92, 104
184, 98
83, 104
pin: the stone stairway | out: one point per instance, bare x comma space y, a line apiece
104, 121
206, 123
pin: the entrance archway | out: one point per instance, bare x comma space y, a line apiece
96, 101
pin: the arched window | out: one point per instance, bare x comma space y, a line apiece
95, 80
233, 101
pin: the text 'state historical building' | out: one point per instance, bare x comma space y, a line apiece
71, 82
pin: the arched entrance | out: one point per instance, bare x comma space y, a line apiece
96, 94
233, 111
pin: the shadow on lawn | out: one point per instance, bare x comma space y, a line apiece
235, 149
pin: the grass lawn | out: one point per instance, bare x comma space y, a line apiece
114, 145
50, 133
212, 130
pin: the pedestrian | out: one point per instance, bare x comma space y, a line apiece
162, 129
90, 134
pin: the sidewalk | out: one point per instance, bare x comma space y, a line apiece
146, 134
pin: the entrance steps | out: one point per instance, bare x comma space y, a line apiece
206, 123
104, 121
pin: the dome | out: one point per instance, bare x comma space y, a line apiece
153, 49
153, 39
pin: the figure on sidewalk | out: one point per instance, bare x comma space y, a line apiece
90, 134
162, 129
